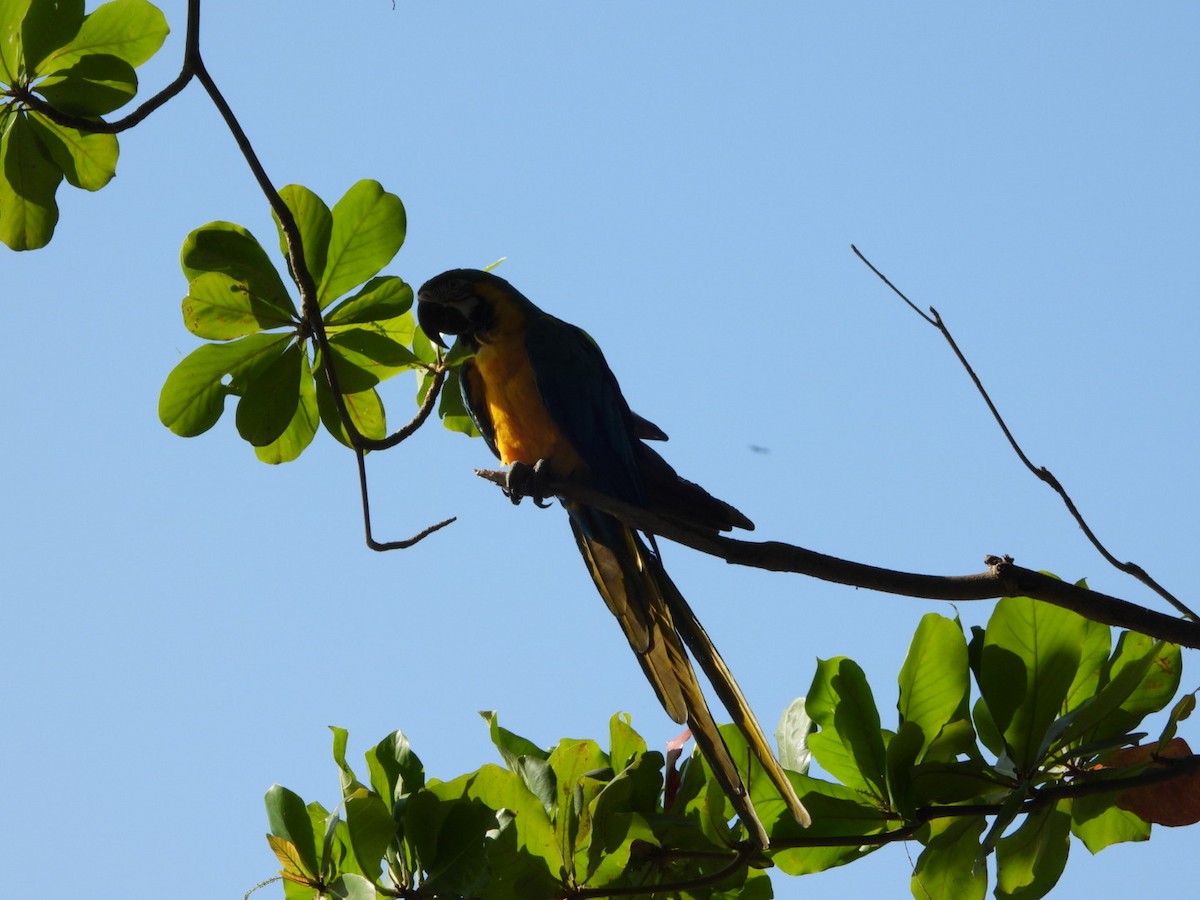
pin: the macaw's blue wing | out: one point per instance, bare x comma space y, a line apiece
583, 399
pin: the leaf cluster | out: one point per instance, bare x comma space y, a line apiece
264, 353
82, 65
1009, 777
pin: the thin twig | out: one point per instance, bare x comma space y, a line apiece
1040, 472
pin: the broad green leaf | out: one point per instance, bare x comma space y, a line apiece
570, 761
365, 410
363, 357
838, 811
1031, 652
231, 249
385, 297
1030, 860
12, 56
901, 756
850, 746
350, 782
220, 307
511, 746
451, 407
370, 828
303, 427
395, 769
93, 86
933, 680
350, 886
193, 396
1099, 823
625, 744
270, 399
946, 868
88, 161
1093, 661
499, 788
48, 25
953, 781
1162, 677
315, 223
460, 867
289, 819
131, 30
1180, 711
368, 229
1106, 714
28, 181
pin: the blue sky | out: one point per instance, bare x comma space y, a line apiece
684, 181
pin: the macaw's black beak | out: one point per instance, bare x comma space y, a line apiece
437, 318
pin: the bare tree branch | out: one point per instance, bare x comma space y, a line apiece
1002, 578
1041, 472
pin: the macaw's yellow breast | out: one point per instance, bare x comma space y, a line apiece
523, 428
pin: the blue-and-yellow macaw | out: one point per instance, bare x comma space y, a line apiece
542, 395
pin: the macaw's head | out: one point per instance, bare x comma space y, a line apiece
463, 302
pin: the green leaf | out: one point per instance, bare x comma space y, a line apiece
349, 886
289, 819
838, 811
1031, 652
451, 407
370, 828
193, 396
1030, 860
131, 30
626, 745
363, 357
88, 161
303, 427
850, 746
511, 746
93, 86
364, 408
315, 223
219, 307
934, 683
28, 182
1093, 661
499, 788
1098, 823
1106, 714
385, 297
48, 25
395, 769
12, 56
232, 250
1161, 680
901, 756
270, 399
368, 229
946, 868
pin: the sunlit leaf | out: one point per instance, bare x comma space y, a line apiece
92, 86
28, 182
849, 746
303, 427
1099, 824
289, 819
933, 680
625, 744
314, 222
1030, 861
131, 30
381, 298
368, 229
365, 409
837, 811
395, 768
1031, 652
220, 307
48, 25
269, 400
232, 250
88, 160
946, 869
193, 396
12, 56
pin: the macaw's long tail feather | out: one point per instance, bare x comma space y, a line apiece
654, 617
734, 701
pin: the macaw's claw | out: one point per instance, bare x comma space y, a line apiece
529, 481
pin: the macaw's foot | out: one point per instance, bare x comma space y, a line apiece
529, 481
